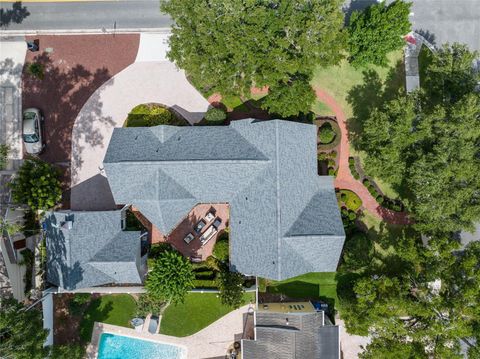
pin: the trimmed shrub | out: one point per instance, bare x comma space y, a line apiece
322, 156
331, 171
366, 182
3, 156
215, 115
331, 163
205, 283
351, 199
333, 154
213, 263
220, 250
36, 69
333, 126
353, 169
147, 115
352, 215
380, 199
326, 134
158, 248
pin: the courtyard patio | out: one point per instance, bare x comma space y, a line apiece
194, 241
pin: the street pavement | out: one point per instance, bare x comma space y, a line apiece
91, 15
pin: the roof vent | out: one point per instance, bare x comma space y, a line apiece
67, 225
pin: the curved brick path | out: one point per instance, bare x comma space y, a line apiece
345, 179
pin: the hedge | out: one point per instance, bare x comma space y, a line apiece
326, 134
353, 169
215, 116
147, 115
205, 283
335, 142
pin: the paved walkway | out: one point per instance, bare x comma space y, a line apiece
351, 345
211, 342
150, 79
345, 179
12, 58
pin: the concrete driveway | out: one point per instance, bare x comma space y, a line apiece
151, 78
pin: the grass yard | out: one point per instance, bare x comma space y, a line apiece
197, 312
311, 285
354, 90
116, 309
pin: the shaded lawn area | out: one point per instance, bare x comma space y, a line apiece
116, 309
322, 286
357, 90
197, 312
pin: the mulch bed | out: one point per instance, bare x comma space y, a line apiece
74, 67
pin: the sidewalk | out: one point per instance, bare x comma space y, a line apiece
12, 59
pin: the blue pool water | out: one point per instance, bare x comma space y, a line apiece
114, 346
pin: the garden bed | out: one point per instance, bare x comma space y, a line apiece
153, 114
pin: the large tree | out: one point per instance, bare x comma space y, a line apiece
229, 46
419, 302
427, 144
376, 31
21, 332
171, 278
37, 185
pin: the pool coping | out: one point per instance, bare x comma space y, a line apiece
101, 328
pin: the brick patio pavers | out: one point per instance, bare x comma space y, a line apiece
186, 225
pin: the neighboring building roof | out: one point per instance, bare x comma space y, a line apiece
292, 336
87, 249
284, 218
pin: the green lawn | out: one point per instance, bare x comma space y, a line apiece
311, 285
197, 312
356, 92
116, 309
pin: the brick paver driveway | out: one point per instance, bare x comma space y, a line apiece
149, 79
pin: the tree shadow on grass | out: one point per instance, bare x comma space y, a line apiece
371, 95
95, 313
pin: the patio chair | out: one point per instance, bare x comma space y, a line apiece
199, 226
152, 327
217, 223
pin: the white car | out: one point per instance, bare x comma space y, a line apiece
32, 131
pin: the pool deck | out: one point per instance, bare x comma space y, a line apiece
210, 342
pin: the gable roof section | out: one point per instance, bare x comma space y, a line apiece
95, 251
265, 170
305, 336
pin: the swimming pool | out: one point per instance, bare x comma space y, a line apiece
113, 346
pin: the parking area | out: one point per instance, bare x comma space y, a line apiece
73, 68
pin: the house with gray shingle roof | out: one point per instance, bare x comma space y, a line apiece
291, 336
284, 218
89, 249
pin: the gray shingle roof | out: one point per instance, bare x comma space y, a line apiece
95, 251
305, 336
284, 218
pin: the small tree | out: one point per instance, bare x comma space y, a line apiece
231, 289
70, 351
36, 70
4, 149
21, 332
376, 31
171, 277
147, 304
37, 185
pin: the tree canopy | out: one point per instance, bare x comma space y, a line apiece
427, 144
376, 31
21, 332
37, 185
417, 301
230, 46
171, 277
231, 289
